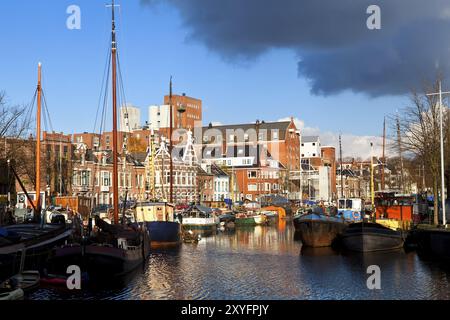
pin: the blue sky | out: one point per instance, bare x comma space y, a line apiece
154, 45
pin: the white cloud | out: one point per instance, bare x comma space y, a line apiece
352, 145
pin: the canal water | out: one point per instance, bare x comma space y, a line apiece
269, 262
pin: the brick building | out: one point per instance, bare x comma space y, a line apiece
192, 114
258, 156
93, 172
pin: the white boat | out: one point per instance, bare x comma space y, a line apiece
15, 294
199, 218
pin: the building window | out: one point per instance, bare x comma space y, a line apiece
251, 174
105, 179
85, 178
74, 178
252, 187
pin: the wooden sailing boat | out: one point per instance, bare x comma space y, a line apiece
116, 249
29, 245
158, 216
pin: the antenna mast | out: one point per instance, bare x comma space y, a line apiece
340, 159
171, 143
383, 156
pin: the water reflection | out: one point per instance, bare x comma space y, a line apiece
269, 262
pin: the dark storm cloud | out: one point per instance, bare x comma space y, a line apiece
336, 50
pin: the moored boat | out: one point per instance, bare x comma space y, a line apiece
35, 241
433, 242
250, 219
271, 216
199, 219
227, 217
319, 230
29, 245
163, 229
112, 250
369, 236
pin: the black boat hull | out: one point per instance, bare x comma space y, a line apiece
371, 238
434, 243
101, 261
38, 249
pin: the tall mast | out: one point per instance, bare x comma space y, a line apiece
372, 189
340, 160
152, 165
171, 143
60, 166
382, 157
399, 141
38, 143
114, 103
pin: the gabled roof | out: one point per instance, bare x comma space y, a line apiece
281, 126
217, 171
308, 139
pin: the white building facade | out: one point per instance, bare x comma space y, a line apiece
310, 147
158, 117
130, 118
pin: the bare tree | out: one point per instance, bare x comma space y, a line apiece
419, 131
15, 125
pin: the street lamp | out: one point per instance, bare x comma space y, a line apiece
441, 107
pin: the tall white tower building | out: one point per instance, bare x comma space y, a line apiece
130, 118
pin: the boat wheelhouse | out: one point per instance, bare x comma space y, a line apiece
350, 209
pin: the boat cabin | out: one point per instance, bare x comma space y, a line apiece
78, 204
352, 204
198, 211
390, 205
154, 211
